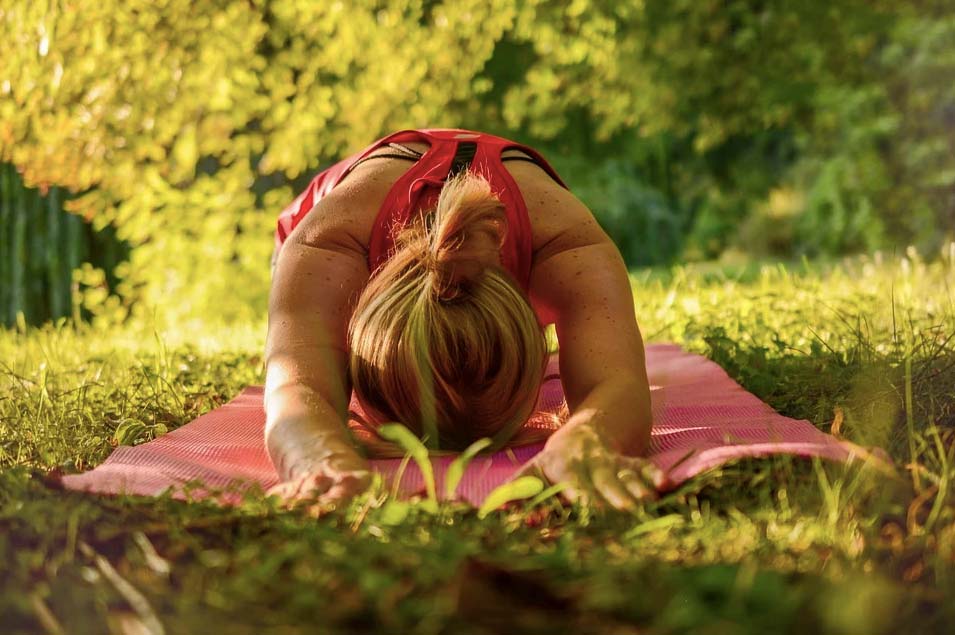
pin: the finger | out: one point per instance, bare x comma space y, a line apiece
341, 463
612, 489
639, 489
311, 486
281, 490
580, 488
316, 485
346, 488
287, 493
651, 473
360, 479
320, 508
338, 495
575, 495
654, 475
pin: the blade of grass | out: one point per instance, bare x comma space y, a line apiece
401, 435
518, 489
456, 469
944, 477
553, 490
910, 421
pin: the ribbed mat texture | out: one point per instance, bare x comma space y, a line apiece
702, 419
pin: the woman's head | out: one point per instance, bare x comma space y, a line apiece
442, 339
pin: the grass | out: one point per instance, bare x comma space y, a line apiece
781, 545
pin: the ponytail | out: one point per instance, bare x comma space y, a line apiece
450, 246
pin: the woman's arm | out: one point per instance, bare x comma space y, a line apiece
583, 284
602, 360
317, 277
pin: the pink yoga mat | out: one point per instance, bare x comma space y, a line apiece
702, 419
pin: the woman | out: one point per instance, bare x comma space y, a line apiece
420, 273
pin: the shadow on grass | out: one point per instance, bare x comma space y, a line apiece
254, 570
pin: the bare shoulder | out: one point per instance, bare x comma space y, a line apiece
559, 220
347, 214
573, 256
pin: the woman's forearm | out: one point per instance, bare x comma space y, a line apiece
303, 429
619, 411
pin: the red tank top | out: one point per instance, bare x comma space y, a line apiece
419, 187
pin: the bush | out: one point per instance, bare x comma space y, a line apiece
186, 125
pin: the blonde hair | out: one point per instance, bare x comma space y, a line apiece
442, 340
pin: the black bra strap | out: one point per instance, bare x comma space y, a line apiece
404, 148
384, 156
534, 161
463, 156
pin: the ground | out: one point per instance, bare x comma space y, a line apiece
863, 348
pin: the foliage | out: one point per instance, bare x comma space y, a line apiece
778, 545
521, 488
188, 127
648, 228
53, 264
180, 115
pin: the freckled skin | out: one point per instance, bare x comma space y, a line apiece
578, 281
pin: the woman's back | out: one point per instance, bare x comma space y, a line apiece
539, 204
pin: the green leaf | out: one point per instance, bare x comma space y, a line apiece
128, 431
394, 512
518, 489
553, 490
456, 469
429, 505
663, 522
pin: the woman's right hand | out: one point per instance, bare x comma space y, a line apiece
592, 473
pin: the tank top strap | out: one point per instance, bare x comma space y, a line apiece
326, 180
415, 190
518, 249
419, 187
538, 158
402, 136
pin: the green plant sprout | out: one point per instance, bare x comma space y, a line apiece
460, 463
518, 489
412, 445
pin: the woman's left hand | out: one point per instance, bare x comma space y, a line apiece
592, 471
